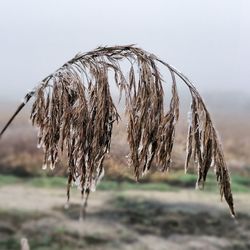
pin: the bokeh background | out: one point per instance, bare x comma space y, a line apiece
209, 42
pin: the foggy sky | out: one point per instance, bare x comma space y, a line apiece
208, 40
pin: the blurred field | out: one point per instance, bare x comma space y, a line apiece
162, 212
126, 217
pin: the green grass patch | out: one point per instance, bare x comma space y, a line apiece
48, 182
9, 180
157, 186
174, 182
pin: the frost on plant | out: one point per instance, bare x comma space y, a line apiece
75, 113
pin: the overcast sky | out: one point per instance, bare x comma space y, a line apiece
208, 40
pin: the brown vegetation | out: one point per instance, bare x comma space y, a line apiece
74, 110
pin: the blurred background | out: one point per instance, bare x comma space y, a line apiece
209, 42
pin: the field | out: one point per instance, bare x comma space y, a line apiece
160, 216
164, 211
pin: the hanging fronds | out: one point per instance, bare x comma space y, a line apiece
75, 112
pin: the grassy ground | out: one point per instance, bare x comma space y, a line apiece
175, 182
124, 215
121, 220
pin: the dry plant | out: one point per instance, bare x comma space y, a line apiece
75, 112
24, 244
